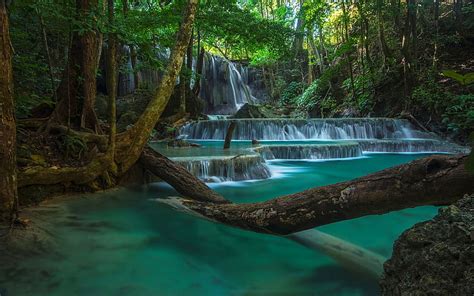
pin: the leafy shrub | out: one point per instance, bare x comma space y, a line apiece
364, 101
310, 96
456, 110
459, 114
291, 92
72, 146
430, 95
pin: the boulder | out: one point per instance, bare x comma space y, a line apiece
435, 257
250, 111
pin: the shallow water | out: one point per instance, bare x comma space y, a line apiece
125, 243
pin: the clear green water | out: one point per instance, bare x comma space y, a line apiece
125, 243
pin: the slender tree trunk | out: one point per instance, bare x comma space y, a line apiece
435, 42
131, 143
48, 56
406, 51
412, 12
229, 134
189, 61
8, 178
112, 76
199, 68
183, 82
381, 32
300, 24
349, 59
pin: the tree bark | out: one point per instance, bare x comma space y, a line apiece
199, 68
435, 180
112, 76
90, 46
178, 177
348, 54
79, 76
8, 176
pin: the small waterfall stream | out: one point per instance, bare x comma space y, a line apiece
228, 168
224, 86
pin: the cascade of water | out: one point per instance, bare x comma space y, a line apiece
220, 169
327, 151
224, 86
298, 129
416, 146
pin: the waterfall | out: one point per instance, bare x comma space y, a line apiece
302, 129
224, 85
329, 151
227, 168
411, 146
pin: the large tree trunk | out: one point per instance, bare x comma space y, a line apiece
77, 90
130, 144
435, 180
90, 51
8, 186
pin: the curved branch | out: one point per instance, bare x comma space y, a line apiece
54, 175
178, 177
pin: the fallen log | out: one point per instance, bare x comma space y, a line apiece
435, 180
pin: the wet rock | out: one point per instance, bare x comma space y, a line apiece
349, 112
435, 257
178, 143
255, 142
250, 111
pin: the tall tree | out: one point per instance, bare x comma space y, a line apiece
8, 178
77, 90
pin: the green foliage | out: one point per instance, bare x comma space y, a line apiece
240, 32
459, 114
291, 92
465, 79
456, 110
363, 90
430, 95
72, 146
309, 98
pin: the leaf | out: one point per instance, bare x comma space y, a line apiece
462, 79
469, 78
454, 75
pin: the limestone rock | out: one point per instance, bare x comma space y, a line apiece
435, 257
